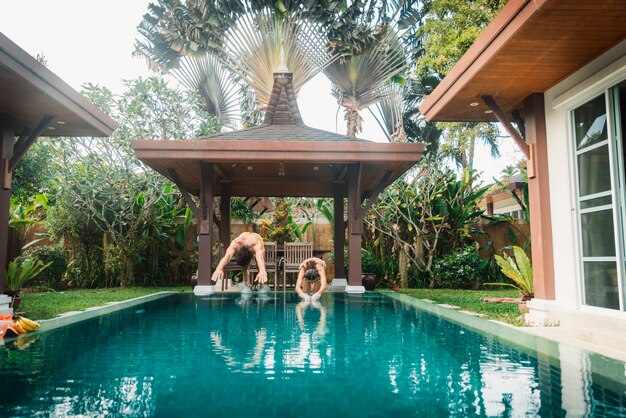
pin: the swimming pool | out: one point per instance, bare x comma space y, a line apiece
351, 356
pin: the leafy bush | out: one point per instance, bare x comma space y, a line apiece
48, 254
369, 263
461, 269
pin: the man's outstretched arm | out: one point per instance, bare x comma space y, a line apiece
219, 270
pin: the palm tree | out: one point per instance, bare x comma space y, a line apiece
249, 42
508, 172
459, 141
359, 79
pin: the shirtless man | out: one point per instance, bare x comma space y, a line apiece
244, 247
311, 279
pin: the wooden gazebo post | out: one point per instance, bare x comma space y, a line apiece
355, 226
205, 223
226, 186
339, 229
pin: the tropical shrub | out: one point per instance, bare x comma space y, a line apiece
118, 219
51, 255
429, 217
461, 269
20, 273
517, 268
283, 227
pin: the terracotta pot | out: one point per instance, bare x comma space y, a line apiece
395, 287
368, 281
61, 285
194, 281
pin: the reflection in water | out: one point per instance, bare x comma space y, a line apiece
364, 356
309, 351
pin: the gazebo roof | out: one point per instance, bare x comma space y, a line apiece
29, 93
282, 157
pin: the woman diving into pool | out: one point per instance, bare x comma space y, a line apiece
311, 281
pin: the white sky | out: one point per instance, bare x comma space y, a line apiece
92, 41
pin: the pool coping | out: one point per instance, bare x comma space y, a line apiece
538, 346
72, 317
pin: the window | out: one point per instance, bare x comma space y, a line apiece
597, 132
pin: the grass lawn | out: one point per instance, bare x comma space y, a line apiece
469, 300
47, 305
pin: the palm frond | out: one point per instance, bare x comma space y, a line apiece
390, 108
216, 86
253, 48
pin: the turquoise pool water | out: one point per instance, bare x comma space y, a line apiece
352, 356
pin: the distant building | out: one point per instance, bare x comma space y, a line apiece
501, 201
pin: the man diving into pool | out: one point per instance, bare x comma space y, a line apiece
311, 281
244, 247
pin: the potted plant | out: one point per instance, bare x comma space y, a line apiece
18, 274
369, 267
517, 268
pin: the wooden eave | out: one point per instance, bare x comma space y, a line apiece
29, 92
529, 47
279, 168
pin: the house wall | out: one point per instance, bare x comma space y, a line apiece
590, 81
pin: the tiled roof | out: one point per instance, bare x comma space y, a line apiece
282, 120
283, 133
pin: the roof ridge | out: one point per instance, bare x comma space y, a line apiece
283, 106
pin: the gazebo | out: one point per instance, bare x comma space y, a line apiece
280, 158
34, 102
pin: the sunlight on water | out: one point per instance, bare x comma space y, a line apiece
267, 354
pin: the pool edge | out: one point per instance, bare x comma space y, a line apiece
73, 317
536, 345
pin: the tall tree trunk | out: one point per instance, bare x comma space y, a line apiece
403, 262
470, 157
353, 120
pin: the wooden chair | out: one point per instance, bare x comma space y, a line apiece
271, 261
295, 254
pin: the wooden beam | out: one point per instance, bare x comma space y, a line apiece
506, 124
220, 173
342, 173
192, 205
381, 186
519, 122
6, 151
25, 142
